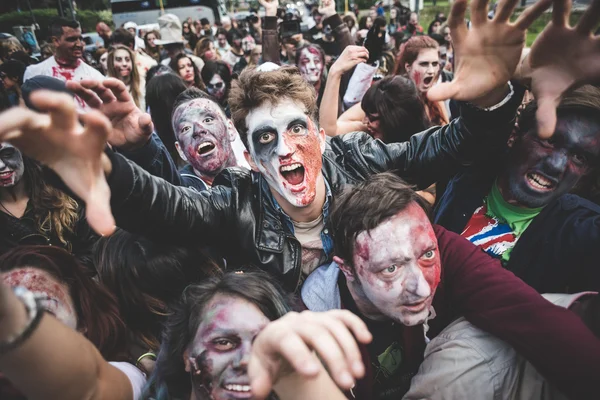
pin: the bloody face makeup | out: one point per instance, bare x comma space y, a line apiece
219, 354
122, 62
424, 70
538, 171
204, 137
11, 165
287, 148
216, 87
310, 65
52, 294
397, 267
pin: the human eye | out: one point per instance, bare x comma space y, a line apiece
580, 158
429, 255
390, 270
435, 64
298, 129
185, 129
266, 138
223, 344
208, 120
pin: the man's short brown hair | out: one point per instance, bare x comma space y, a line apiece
365, 206
254, 88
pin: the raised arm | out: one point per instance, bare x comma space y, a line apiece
553, 339
54, 362
328, 112
270, 38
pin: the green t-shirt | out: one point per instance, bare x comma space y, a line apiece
497, 225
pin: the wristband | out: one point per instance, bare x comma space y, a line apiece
34, 316
148, 354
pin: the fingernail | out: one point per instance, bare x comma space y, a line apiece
310, 367
346, 379
358, 368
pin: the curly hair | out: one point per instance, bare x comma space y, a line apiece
255, 88
54, 211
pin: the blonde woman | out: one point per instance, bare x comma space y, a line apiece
121, 65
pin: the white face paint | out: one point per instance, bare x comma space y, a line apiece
287, 148
310, 65
398, 267
52, 294
216, 87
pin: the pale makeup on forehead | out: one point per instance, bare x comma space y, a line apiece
193, 109
53, 295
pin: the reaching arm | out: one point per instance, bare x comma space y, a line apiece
328, 113
553, 339
55, 362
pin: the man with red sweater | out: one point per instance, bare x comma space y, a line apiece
408, 280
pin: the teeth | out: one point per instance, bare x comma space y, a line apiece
7, 173
205, 144
539, 181
290, 167
238, 388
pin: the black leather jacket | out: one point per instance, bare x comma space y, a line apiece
235, 218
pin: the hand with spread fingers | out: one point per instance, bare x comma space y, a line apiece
57, 139
562, 57
131, 126
285, 348
350, 58
486, 55
327, 8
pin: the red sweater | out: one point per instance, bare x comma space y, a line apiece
476, 286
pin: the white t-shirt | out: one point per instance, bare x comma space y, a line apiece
51, 68
135, 376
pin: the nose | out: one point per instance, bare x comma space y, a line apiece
283, 150
556, 163
240, 362
416, 283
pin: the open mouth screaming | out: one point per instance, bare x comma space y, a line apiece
427, 81
292, 173
206, 148
539, 183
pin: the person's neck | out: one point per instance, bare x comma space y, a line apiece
14, 200
238, 51
502, 184
310, 212
365, 307
318, 86
209, 178
65, 61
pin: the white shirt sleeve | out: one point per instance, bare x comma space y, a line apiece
135, 376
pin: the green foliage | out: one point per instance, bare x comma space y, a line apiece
87, 18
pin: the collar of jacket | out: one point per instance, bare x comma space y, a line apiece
271, 219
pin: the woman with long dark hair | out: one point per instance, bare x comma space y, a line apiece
184, 66
121, 65
210, 332
33, 211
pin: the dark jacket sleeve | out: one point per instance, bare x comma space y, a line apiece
437, 152
147, 205
270, 41
343, 38
155, 159
553, 339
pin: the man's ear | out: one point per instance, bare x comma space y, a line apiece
231, 131
322, 140
250, 161
54, 41
345, 268
178, 147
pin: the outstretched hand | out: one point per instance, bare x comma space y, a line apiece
327, 8
74, 152
486, 55
286, 347
350, 58
563, 57
132, 127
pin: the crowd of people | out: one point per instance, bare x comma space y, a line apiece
262, 208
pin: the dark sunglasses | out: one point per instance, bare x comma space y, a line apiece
215, 85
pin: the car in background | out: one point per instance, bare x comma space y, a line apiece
91, 41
